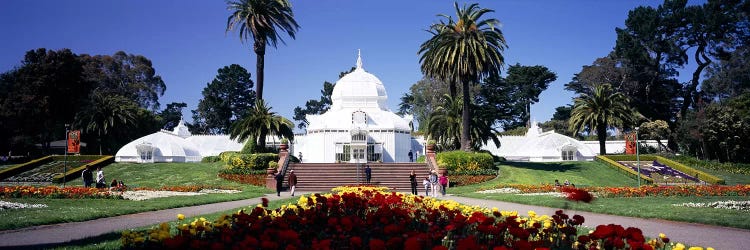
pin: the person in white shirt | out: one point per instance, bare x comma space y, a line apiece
100, 182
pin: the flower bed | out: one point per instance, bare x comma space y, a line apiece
686, 190
371, 218
12, 205
89, 193
252, 179
736, 205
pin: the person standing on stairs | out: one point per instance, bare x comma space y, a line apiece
368, 173
413, 181
292, 181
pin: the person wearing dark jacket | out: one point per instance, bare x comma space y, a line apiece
292, 181
413, 181
279, 180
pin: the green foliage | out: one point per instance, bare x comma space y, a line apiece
210, 159
273, 164
445, 125
171, 115
225, 99
249, 161
720, 131
604, 108
734, 168
249, 147
520, 131
473, 172
316, 107
464, 161
226, 155
260, 122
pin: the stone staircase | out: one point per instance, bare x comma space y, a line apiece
324, 176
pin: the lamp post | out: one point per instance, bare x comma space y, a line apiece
65, 163
637, 157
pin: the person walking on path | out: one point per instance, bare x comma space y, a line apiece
444, 182
292, 181
413, 181
434, 183
100, 182
279, 180
411, 156
368, 174
426, 184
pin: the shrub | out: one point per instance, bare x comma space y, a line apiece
209, 159
463, 161
249, 147
226, 156
250, 161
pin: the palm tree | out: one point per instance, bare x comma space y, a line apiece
463, 51
259, 122
444, 125
262, 20
106, 112
602, 109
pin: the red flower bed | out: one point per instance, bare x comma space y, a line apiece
252, 179
55, 192
376, 220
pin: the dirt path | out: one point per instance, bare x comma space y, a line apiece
690, 233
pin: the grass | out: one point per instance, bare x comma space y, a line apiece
588, 173
596, 174
729, 178
134, 175
112, 240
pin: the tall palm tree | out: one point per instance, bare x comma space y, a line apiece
463, 51
259, 122
262, 20
106, 112
602, 109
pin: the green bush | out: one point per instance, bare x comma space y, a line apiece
731, 167
243, 171
421, 158
249, 147
210, 159
464, 161
250, 161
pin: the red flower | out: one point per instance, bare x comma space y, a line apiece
355, 242
575, 194
376, 244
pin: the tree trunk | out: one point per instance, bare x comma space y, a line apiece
260, 52
100, 142
262, 142
452, 89
601, 134
688, 93
466, 118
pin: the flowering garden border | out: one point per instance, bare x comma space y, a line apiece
373, 218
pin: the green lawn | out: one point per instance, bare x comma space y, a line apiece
596, 174
134, 175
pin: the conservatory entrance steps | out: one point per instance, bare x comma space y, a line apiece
324, 176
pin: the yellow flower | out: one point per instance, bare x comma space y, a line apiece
679, 246
532, 214
709, 248
695, 248
662, 235
180, 216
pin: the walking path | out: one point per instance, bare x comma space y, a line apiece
689, 233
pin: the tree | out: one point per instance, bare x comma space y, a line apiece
262, 20
259, 122
464, 51
226, 99
172, 115
729, 78
423, 97
559, 121
502, 101
530, 81
106, 112
654, 130
128, 75
444, 125
600, 111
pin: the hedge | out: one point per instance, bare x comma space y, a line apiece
672, 164
464, 161
621, 168
76, 172
23, 167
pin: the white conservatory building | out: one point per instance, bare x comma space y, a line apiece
359, 126
538, 146
178, 145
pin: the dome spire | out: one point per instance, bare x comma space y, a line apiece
359, 59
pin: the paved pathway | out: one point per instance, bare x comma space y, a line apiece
690, 233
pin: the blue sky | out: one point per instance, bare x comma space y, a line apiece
187, 43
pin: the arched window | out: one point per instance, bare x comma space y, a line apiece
569, 153
145, 152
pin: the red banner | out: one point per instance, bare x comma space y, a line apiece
74, 141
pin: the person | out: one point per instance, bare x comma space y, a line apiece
100, 183
300, 157
567, 183
557, 184
279, 180
426, 183
413, 180
411, 156
113, 184
88, 177
292, 181
433, 183
368, 174
443, 182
